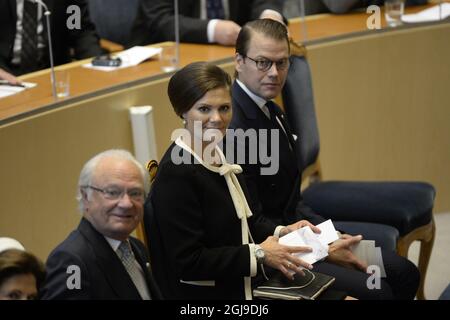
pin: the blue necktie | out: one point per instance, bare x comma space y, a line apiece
214, 9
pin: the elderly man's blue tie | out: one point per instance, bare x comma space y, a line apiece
214, 9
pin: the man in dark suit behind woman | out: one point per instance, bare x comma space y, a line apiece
198, 23
100, 260
84, 41
262, 64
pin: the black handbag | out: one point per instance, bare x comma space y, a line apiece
309, 287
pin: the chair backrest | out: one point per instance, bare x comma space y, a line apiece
152, 168
114, 18
298, 102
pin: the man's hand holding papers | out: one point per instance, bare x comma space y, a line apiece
340, 252
345, 250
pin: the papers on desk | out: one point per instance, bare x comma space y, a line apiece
131, 57
8, 90
318, 242
431, 14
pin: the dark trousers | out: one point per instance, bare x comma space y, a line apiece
402, 279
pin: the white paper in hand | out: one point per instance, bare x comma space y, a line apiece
328, 232
306, 237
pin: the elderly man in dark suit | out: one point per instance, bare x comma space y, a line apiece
262, 63
23, 40
100, 260
201, 21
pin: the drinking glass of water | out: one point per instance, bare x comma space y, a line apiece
168, 58
62, 83
393, 11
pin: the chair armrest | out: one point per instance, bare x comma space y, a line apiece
403, 205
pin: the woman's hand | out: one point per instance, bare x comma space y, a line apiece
298, 225
282, 257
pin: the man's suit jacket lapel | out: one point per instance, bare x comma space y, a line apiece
294, 143
113, 269
242, 101
256, 119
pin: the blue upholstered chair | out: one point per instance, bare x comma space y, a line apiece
445, 294
405, 206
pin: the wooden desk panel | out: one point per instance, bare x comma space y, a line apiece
326, 26
85, 81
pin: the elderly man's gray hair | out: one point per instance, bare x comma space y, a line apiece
89, 168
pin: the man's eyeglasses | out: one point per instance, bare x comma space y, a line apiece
114, 193
265, 64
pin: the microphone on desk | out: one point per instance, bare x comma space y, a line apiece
47, 14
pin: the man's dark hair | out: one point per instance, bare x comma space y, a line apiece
268, 27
